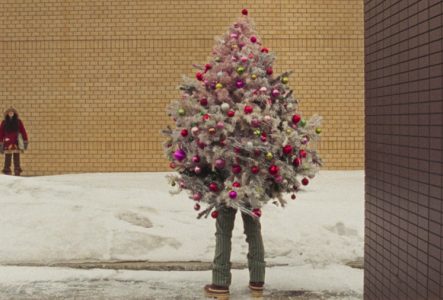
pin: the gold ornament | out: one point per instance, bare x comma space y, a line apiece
181, 111
285, 80
288, 131
254, 77
317, 130
269, 156
257, 132
240, 70
218, 86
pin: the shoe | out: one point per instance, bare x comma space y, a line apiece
216, 291
256, 287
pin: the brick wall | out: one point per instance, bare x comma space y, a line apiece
92, 78
404, 148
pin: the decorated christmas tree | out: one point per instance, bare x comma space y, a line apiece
239, 139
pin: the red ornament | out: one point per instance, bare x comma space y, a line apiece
236, 169
184, 133
199, 76
244, 12
213, 187
293, 196
197, 206
257, 212
204, 101
269, 71
287, 149
253, 39
305, 181
207, 67
263, 138
172, 165
264, 50
296, 119
201, 145
248, 109
302, 153
214, 214
231, 113
236, 184
273, 170
205, 117
296, 162
255, 169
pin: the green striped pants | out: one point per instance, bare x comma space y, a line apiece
221, 267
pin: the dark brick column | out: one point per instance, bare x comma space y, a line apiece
404, 150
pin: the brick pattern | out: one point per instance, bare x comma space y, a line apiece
92, 78
404, 148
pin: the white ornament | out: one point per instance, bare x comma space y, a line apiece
225, 107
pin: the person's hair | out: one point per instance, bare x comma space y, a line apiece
11, 124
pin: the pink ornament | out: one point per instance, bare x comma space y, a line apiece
220, 163
275, 93
263, 89
194, 130
197, 170
263, 138
220, 125
197, 206
278, 178
196, 159
232, 194
255, 123
179, 155
240, 84
234, 35
182, 184
251, 55
236, 169
244, 59
267, 118
197, 196
304, 140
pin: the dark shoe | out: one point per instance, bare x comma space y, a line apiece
256, 287
216, 291
6, 172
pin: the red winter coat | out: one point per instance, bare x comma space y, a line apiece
11, 138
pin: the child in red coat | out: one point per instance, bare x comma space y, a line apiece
11, 143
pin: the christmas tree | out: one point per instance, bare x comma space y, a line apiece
239, 139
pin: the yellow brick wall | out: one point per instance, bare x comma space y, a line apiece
92, 78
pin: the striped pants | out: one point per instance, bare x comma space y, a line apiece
221, 267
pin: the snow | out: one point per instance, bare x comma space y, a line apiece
132, 216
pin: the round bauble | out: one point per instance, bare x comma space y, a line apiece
244, 12
179, 155
199, 76
220, 163
218, 86
255, 123
255, 169
211, 130
197, 196
194, 130
269, 71
184, 133
224, 107
305, 181
172, 165
240, 84
253, 77
303, 153
236, 184
204, 101
197, 206
181, 112
287, 149
197, 170
214, 214
285, 80
236, 169
240, 70
248, 109
296, 162
317, 130
303, 123
232, 194
273, 170
213, 187
253, 39
231, 113
275, 93
296, 118
196, 159
269, 156
257, 212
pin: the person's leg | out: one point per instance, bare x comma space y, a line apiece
7, 168
221, 268
256, 254
17, 169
